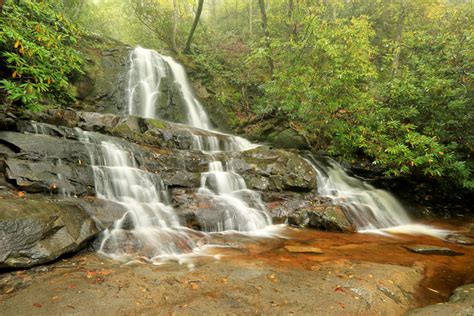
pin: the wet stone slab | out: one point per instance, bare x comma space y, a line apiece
432, 250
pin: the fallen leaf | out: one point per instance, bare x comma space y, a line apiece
21, 194
37, 305
91, 274
105, 272
339, 289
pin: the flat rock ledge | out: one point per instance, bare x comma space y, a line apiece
432, 250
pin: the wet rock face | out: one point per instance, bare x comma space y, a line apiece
38, 231
461, 302
432, 250
38, 163
276, 170
324, 217
103, 87
51, 158
165, 148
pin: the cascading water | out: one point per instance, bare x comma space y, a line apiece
197, 117
241, 208
146, 71
368, 208
150, 228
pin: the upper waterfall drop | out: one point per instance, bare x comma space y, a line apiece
147, 69
197, 117
148, 72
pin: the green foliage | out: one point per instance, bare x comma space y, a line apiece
37, 50
388, 81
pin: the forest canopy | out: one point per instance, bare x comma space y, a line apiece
389, 81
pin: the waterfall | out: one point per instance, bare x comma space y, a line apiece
368, 208
150, 228
240, 208
146, 71
197, 117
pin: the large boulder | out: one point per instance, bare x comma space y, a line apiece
276, 132
324, 217
33, 232
275, 170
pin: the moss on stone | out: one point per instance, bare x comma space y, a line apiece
157, 123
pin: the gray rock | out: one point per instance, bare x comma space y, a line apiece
461, 303
284, 170
432, 250
460, 239
40, 163
103, 87
33, 232
324, 217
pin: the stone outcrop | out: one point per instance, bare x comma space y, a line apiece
103, 86
35, 231
49, 153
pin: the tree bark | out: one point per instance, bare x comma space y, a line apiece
263, 13
175, 26
187, 48
250, 18
398, 48
1, 5
292, 25
78, 10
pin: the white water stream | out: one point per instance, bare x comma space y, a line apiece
151, 227
369, 209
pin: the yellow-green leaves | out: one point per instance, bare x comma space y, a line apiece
40, 55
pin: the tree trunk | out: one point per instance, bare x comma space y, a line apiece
78, 10
250, 18
175, 26
398, 48
187, 48
261, 4
291, 20
213, 9
1, 5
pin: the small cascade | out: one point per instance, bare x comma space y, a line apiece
368, 208
62, 186
241, 209
150, 228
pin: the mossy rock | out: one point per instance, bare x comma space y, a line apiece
33, 232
